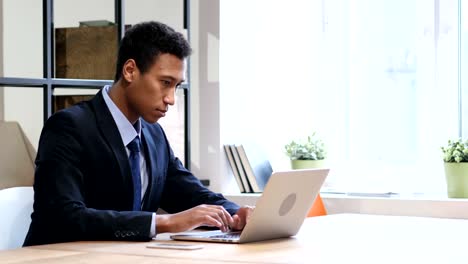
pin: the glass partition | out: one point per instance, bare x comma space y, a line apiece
169, 12
21, 36
66, 97
24, 105
85, 39
174, 125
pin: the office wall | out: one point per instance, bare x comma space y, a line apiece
207, 156
195, 88
208, 160
1, 59
25, 105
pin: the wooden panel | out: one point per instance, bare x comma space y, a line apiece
64, 101
86, 52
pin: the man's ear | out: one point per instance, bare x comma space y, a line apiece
129, 70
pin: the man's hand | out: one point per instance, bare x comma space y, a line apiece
241, 217
208, 215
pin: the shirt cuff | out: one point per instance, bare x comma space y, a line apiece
153, 226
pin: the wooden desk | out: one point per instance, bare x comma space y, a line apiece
343, 238
41, 256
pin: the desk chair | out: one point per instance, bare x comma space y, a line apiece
16, 206
17, 156
317, 208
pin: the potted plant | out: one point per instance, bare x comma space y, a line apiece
308, 154
456, 168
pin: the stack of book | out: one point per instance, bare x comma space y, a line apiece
250, 167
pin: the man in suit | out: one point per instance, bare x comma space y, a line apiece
105, 166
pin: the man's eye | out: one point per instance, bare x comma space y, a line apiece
166, 83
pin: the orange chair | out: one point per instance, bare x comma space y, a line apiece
317, 208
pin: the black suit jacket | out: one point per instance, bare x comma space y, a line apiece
83, 185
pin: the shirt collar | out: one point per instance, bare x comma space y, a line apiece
127, 131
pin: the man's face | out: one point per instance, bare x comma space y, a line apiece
150, 94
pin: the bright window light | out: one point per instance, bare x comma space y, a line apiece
377, 79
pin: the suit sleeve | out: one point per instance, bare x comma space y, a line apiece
60, 202
183, 190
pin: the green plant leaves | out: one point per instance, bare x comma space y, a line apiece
312, 149
456, 151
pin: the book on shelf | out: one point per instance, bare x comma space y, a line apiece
240, 168
256, 165
235, 170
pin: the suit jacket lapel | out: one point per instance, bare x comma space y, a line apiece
111, 134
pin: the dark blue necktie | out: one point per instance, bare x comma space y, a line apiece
134, 158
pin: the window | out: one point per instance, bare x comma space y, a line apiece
378, 80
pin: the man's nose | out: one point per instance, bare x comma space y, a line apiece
170, 98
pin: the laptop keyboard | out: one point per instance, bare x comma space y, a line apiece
228, 235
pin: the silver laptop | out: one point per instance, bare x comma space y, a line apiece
279, 212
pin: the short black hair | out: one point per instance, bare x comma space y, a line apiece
145, 41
